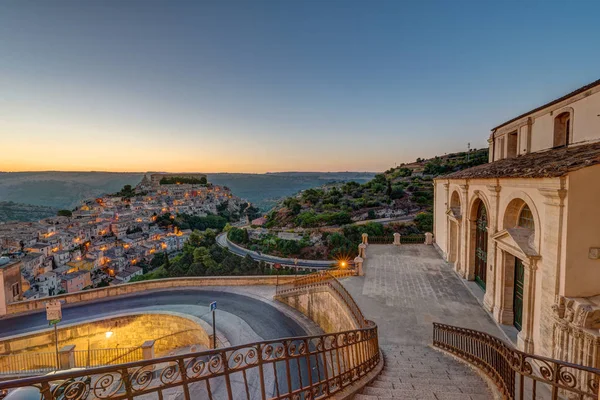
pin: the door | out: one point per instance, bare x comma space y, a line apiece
518, 294
481, 242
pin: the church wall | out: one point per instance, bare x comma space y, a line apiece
544, 198
439, 214
582, 274
585, 125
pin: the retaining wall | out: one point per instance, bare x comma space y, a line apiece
324, 307
170, 330
158, 284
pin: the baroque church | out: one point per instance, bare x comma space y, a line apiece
526, 227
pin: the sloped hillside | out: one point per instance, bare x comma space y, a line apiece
397, 193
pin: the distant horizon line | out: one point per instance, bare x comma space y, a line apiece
187, 172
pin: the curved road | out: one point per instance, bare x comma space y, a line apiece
242, 252
264, 319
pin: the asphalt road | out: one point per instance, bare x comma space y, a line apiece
317, 264
267, 321
264, 319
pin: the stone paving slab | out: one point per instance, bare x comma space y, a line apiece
407, 287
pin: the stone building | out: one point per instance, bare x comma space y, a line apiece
10, 282
526, 226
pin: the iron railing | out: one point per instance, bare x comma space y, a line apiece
29, 363
412, 239
381, 239
99, 357
44, 362
518, 375
309, 367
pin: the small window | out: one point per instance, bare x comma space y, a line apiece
562, 129
513, 145
15, 290
526, 218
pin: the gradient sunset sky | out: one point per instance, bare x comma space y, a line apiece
255, 86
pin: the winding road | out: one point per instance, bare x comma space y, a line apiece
242, 252
266, 320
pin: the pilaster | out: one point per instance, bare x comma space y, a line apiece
463, 255
492, 272
525, 337
551, 256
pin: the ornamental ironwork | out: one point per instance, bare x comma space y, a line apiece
308, 367
518, 375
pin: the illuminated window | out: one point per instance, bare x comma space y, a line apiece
526, 218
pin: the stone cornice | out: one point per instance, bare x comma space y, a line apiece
494, 189
577, 312
554, 197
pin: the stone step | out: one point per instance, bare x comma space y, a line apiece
423, 373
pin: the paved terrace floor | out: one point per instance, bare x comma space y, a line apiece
407, 287
404, 290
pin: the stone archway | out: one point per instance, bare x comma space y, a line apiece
478, 240
518, 257
454, 219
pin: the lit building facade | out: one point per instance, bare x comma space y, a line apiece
526, 226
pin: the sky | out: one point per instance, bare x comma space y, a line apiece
257, 86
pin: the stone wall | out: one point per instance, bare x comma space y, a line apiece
170, 331
158, 284
324, 307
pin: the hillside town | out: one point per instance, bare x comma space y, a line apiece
107, 240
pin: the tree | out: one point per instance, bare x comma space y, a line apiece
64, 213
424, 221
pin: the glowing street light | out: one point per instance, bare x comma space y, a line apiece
109, 334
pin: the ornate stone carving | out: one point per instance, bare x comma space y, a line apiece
559, 307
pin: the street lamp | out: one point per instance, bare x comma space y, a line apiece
277, 267
108, 334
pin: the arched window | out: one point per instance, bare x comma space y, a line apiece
562, 129
526, 218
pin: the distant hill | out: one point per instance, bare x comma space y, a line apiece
265, 190
65, 190
398, 192
10, 211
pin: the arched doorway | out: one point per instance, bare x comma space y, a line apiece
481, 244
454, 228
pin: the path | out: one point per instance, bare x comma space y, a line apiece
404, 290
240, 251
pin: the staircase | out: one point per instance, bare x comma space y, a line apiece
420, 372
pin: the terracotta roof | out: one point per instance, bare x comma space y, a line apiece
566, 96
542, 164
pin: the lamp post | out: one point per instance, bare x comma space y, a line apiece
277, 267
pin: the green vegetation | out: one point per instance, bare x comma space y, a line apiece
269, 243
185, 221
64, 213
341, 244
127, 192
403, 190
202, 256
174, 180
424, 221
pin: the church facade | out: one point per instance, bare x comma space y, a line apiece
526, 227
